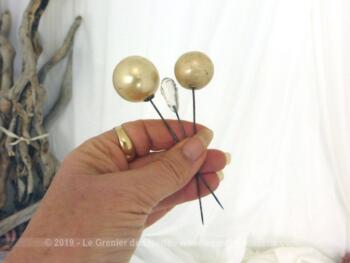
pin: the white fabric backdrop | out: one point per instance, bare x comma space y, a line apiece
279, 102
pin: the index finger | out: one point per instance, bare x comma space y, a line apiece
152, 135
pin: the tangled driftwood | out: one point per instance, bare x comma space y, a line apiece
26, 163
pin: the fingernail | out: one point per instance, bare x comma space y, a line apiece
197, 145
228, 158
206, 136
220, 175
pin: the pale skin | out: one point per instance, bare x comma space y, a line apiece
97, 194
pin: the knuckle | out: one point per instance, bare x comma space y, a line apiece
143, 197
133, 197
174, 169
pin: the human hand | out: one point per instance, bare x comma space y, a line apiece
98, 194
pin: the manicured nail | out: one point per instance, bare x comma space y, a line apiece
228, 158
220, 175
206, 136
197, 145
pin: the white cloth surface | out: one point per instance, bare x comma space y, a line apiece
286, 255
279, 102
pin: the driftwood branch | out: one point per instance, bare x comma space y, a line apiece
27, 165
5, 23
7, 54
18, 218
64, 96
62, 52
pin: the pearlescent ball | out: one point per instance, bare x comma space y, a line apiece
135, 78
194, 70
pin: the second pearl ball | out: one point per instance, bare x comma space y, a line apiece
194, 70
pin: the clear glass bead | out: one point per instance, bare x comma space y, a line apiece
170, 93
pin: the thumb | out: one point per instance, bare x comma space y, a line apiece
174, 169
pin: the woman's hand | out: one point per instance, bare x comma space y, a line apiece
98, 196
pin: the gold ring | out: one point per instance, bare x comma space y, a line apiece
125, 143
